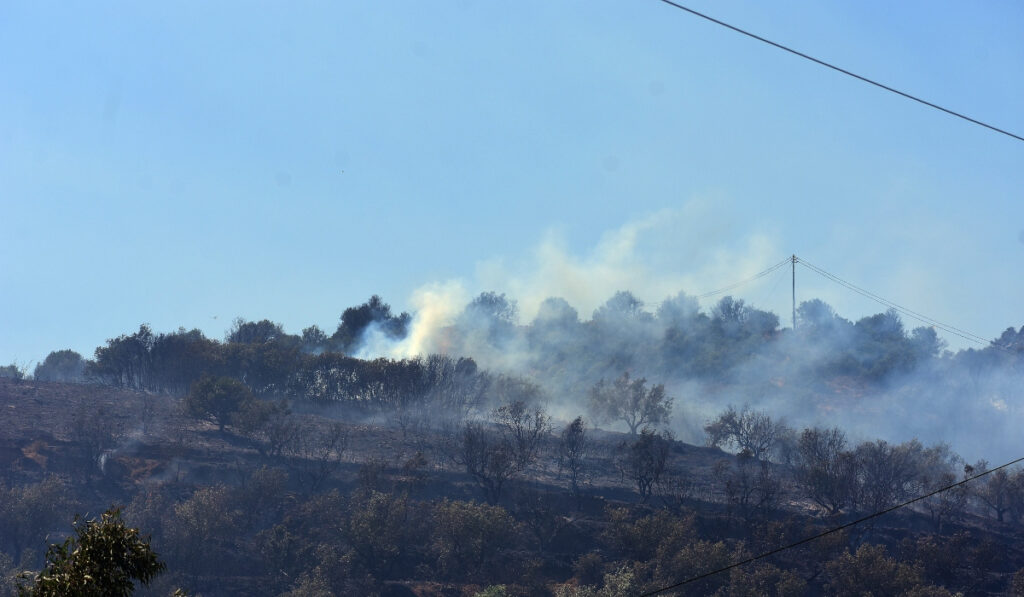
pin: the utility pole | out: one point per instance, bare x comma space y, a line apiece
793, 259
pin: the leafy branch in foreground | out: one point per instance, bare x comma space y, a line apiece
103, 557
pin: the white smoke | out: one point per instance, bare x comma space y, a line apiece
654, 257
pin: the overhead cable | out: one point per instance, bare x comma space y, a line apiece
756, 276
830, 531
843, 71
970, 337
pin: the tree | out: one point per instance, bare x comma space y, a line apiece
616, 584
751, 487
469, 536
486, 457
746, 430
870, 571
314, 340
630, 401
61, 365
254, 332
356, 320
104, 557
125, 361
488, 320
203, 533
13, 371
29, 511
643, 460
999, 491
887, 474
381, 529
573, 448
269, 425
825, 470
523, 428
622, 307
319, 450
217, 399
94, 431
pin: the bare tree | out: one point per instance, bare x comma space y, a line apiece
643, 460
999, 491
486, 457
825, 470
95, 432
752, 431
946, 505
886, 474
318, 452
573, 448
675, 489
523, 429
751, 487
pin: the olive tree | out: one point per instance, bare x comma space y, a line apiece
745, 430
630, 401
218, 399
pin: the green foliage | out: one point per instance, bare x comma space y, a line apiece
755, 580
210, 519
1017, 583
218, 399
468, 537
62, 366
380, 530
254, 332
870, 571
13, 371
103, 558
630, 401
616, 584
29, 511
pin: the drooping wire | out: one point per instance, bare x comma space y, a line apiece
970, 337
756, 276
831, 531
842, 70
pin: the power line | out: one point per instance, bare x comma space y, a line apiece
756, 276
830, 531
842, 70
886, 302
970, 337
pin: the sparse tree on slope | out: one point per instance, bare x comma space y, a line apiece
630, 401
217, 399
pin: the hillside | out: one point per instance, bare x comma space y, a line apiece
390, 508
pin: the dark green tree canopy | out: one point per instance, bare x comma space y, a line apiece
61, 365
254, 332
218, 399
102, 558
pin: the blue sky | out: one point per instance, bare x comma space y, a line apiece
172, 164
